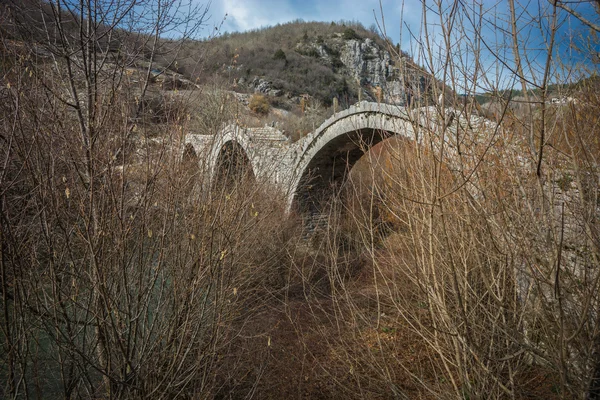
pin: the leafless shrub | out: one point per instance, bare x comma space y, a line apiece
259, 104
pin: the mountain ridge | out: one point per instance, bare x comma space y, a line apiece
323, 61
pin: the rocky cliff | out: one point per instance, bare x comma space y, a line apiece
374, 68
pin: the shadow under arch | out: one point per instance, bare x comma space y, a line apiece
328, 169
233, 167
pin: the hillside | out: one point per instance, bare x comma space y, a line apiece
299, 67
313, 59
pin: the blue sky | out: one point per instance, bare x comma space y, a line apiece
243, 15
250, 14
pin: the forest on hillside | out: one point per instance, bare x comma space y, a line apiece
462, 264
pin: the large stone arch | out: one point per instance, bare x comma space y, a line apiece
330, 152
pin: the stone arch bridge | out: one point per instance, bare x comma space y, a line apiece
308, 170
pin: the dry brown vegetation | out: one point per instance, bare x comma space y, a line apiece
464, 265
259, 104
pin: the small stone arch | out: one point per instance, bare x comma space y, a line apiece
232, 165
228, 160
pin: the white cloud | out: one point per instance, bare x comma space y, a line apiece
250, 14
365, 11
243, 15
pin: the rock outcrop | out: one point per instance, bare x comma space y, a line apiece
367, 62
259, 85
399, 82
372, 67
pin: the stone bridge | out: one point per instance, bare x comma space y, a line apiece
309, 170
